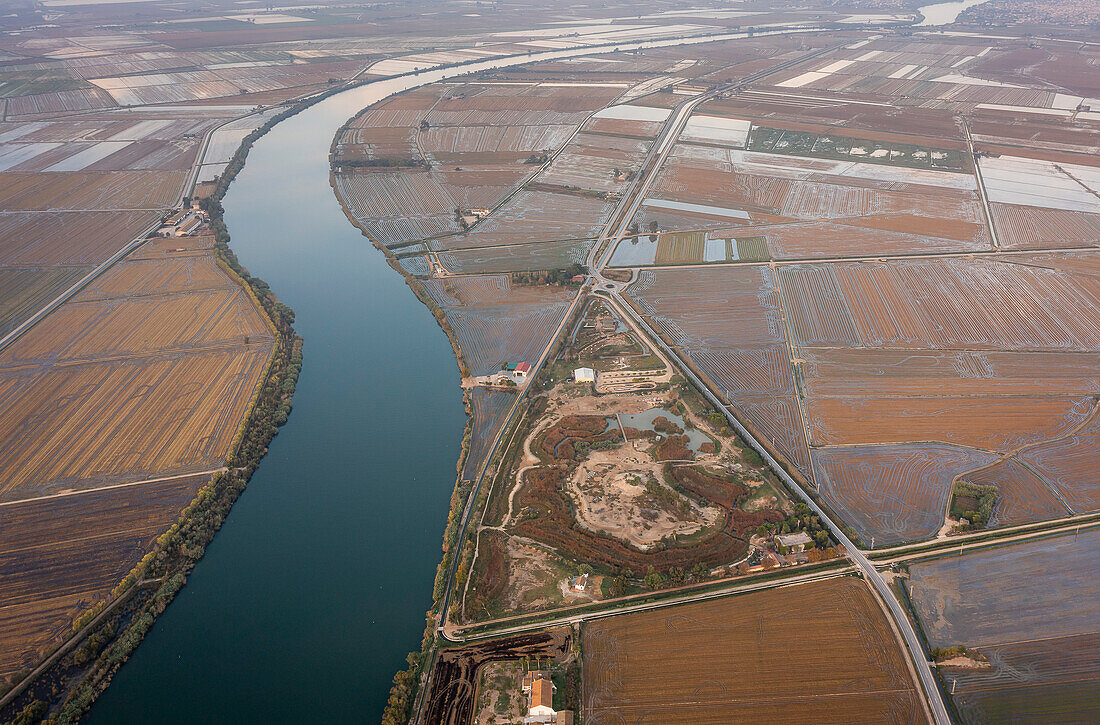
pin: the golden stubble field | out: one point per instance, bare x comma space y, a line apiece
821, 652
113, 410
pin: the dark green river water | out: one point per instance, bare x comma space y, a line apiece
315, 589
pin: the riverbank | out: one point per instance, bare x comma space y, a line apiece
332, 560
106, 635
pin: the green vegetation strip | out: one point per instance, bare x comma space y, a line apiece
177, 551
485, 631
951, 545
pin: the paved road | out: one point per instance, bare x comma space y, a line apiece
950, 547
453, 636
901, 620
981, 186
597, 261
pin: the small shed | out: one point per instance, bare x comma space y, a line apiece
584, 375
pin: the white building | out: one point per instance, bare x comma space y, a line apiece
584, 375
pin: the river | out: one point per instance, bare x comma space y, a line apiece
315, 589
945, 13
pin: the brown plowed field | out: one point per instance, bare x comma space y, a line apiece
80, 426
754, 371
61, 555
156, 277
735, 307
869, 373
746, 659
893, 493
1070, 465
1072, 263
779, 421
24, 291
141, 325
816, 308
149, 374
844, 237
973, 304
999, 424
122, 190
1021, 495
1030, 227
46, 238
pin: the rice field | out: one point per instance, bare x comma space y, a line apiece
1028, 608
60, 556
735, 307
1029, 227
93, 191
1070, 466
535, 215
596, 163
496, 322
519, 257
846, 373
25, 290
970, 304
745, 659
488, 409
994, 424
168, 355
475, 137
815, 204
894, 493
1022, 496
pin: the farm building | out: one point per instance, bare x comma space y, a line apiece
584, 375
794, 541
188, 226
522, 370
540, 699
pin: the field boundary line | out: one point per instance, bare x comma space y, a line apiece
113, 486
69, 293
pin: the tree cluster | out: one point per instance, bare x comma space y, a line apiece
549, 276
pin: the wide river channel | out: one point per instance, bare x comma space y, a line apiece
309, 598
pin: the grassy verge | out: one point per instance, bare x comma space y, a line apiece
489, 630
950, 546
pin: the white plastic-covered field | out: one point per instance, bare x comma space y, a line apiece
424, 61
716, 130
88, 156
802, 168
17, 153
708, 209
634, 113
808, 77
224, 141
1035, 182
223, 144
